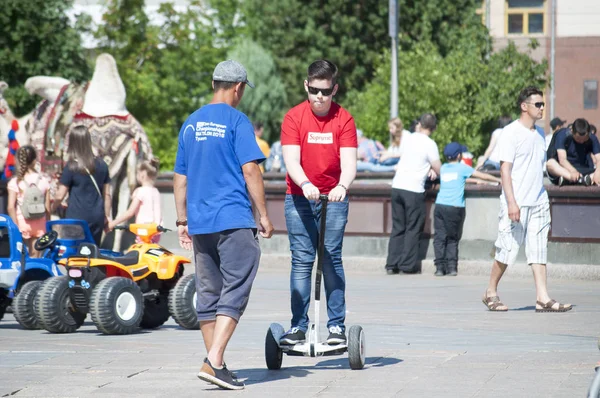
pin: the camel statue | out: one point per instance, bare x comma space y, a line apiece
99, 105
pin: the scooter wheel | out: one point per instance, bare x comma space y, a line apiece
356, 347
273, 353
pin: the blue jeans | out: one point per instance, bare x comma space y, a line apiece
303, 219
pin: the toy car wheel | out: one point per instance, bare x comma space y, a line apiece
156, 312
23, 305
117, 306
4, 302
356, 347
273, 353
45, 241
53, 307
182, 303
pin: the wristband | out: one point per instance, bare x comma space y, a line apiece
345, 189
181, 223
305, 183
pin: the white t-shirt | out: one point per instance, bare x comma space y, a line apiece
495, 155
417, 152
526, 150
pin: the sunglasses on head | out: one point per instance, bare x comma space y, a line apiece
537, 104
325, 91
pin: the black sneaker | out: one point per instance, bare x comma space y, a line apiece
561, 181
293, 336
391, 270
220, 377
336, 336
439, 272
452, 272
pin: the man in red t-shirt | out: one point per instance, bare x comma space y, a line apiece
319, 143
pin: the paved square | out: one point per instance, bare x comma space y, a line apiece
426, 336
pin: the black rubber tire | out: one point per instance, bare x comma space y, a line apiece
181, 303
103, 306
23, 305
356, 341
156, 312
273, 353
53, 307
4, 302
594, 391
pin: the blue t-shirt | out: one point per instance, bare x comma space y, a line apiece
577, 154
453, 177
214, 143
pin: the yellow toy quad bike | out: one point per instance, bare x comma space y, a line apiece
142, 288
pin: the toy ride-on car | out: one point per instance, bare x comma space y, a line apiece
141, 288
21, 275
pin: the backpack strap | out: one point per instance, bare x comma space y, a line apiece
94, 181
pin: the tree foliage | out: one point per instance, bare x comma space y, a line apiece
37, 38
353, 34
266, 102
465, 91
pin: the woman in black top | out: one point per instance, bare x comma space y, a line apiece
85, 178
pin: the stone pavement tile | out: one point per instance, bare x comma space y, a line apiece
52, 391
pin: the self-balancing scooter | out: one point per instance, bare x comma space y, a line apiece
313, 346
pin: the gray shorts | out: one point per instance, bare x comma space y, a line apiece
226, 265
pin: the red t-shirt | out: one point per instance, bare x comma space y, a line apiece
320, 139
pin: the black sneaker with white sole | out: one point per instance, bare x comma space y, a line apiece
293, 336
336, 336
220, 377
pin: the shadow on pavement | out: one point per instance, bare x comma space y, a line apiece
263, 375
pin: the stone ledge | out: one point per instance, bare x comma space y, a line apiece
466, 267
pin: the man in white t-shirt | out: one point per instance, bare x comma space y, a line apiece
419, 155
524, 207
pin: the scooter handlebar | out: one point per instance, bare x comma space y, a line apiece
323, 197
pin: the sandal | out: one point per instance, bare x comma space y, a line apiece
493, 302
548, 307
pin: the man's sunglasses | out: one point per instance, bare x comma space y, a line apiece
325, 91
537, 104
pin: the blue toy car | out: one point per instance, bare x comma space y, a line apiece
62, 239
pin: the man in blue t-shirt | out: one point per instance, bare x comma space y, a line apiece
573, 154
449, 213
216, 175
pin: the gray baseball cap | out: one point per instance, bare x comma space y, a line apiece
231, 71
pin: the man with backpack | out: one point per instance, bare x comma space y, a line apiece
572, 155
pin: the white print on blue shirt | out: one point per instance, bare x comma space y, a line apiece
447, 177
209, 129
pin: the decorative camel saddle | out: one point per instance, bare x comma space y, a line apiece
113, 136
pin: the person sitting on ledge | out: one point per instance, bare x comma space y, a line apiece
570, 155
368, 154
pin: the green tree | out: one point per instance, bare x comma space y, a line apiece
266, 102
37, 38
465, 91
353, 34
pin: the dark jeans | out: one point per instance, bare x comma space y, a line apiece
303, 218
408, 221
448, 223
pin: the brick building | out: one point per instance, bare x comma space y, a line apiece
577, 47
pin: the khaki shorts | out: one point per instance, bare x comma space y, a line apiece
532, 230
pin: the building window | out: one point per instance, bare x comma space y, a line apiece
525, 17
590, 94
